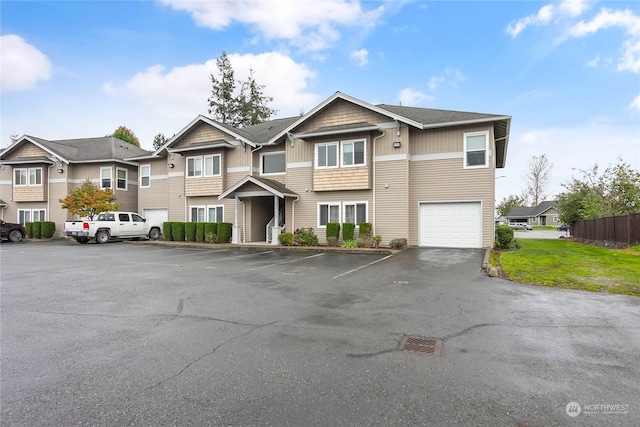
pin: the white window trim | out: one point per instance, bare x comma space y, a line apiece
31, 211
555, 218
353, 141
338, 204
192, 207
206, 212
126, 177
486, 150
147, 176
326, 144
204, 169
27, 172
186, 171
350, 203
110, 169
274, 153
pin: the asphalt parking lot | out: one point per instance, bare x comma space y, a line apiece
125, 334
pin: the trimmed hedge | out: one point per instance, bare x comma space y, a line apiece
166, 231
286, 238
178, 231
504, 237
365, 229
348, 228
224, 232
190, 231
333, 229
211, 232
48, 228
28, 228
37, 230
200, 232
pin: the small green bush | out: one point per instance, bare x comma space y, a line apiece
211, 232
286, 238
166, 231
504, 237
28, 228
365, 228
37, 230
200, 232
398, 243
350, 244
348, 228
305, 237
48, 228
224, 232
178, 231
333, 229
190, 231
377, 240
332, 241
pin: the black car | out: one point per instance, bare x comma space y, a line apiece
563, 227
12, 232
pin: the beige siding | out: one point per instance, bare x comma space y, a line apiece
204, 186
354, 178
338, 113
447, 140
157, 194
202, 132
176, 197
26, 150
237, 157
392, 194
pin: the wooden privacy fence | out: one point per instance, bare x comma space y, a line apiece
610, 230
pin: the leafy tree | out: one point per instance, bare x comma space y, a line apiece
537, 177
159, 140
510, 202
248, 108
126, 135
615, 192
88, 200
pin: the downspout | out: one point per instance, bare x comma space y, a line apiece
251, 160
373, 167
293, 214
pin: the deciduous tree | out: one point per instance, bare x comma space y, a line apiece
508, 203
88, 200
126, 135
537, 177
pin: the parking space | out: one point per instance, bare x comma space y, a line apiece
124, 334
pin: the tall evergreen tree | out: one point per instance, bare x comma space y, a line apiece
254, 106
223, 106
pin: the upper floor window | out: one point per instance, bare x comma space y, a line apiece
476, 150
272, 163
121, 179
353, 153
145, 176
105, 178
194, 167
327, 155
212, 165
27, 176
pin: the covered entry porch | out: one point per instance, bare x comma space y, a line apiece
260, 205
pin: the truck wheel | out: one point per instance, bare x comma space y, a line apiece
15, 236
102, 236
154, 234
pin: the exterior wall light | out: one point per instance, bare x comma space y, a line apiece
396, 144
171, 165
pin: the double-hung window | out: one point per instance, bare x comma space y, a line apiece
272, 163
476, 150
27, 176
355, 212
215, 213
194, 167
121, 179
212, 165
35, 176
327, 155
31, 215
328, 212
353, 153
145, 176
105, 178
197, 213
20, 177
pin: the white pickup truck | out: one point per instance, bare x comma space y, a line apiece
108, 225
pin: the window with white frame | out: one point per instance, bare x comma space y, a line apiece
272, 163
353, 152
105, 178
355, 212
327, 155
27, 176
145, 176
121, 179
212, 165
476, 150
38, 215
556, 218
215, 213
328, 212
31, 215
197, 213
194, 167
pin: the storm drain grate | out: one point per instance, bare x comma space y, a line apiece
421, 345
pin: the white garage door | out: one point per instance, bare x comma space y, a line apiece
451, 225
156, 216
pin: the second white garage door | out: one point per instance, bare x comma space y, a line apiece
451, 225
156, 216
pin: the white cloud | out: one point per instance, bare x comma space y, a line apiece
574, 7
635, 104
182, 92
361, 57
308, 25
23, 65
543, 16
451, 77
411, 97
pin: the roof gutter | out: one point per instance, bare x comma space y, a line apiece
334, 132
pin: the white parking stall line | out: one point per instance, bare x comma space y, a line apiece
285, 262
361, 267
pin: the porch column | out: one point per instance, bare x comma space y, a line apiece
275, 230
236, 230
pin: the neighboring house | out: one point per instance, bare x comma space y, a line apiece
423, 174
544, 214
35, 173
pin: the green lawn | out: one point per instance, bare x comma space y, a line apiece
571, 265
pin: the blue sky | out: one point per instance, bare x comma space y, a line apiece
568, 72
